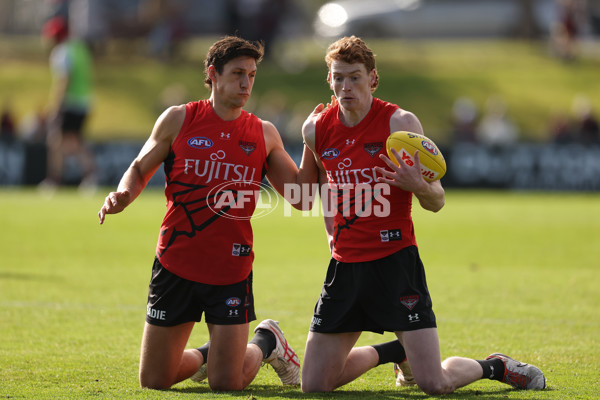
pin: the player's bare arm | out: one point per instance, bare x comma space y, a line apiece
309, 129
308, 134
431, 195
282, 169
153, 153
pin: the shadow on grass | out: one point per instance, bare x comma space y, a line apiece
271, 391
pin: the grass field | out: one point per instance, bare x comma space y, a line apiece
425, 77
511, 272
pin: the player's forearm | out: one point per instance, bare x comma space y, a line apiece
133, 181
301, 194
308, 173
307, 180
431, 196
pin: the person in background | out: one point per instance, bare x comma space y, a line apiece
70, 104
464, 120
7, 124
585, 124
571, 18
496, 128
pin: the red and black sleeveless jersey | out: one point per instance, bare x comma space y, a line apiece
371, 219
213, 175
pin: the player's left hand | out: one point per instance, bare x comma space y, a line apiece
406, 177
114, 203
333, 102
319, 109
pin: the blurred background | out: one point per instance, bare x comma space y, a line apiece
509, 89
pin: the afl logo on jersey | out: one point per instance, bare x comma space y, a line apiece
330, 153
233, 301
200, 142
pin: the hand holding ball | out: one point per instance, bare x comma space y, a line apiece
433, 165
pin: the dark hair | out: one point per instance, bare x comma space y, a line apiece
228, 48
352, 50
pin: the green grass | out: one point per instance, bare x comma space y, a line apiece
421, 76
510, 272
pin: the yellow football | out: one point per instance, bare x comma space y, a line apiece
433, 165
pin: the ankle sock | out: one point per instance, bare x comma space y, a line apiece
492, 369
390, 352
204, 350
265, 340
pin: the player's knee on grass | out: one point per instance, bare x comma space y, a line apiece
313, 381
225, 386
315, 387
155, 382
433, 386
226, 379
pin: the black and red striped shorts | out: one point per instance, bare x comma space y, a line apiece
385, 295
173, 300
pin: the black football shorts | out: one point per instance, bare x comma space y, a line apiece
173, 300
72, 121
385, 295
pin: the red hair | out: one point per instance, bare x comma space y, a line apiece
352, 50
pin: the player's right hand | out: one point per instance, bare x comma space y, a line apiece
114, 203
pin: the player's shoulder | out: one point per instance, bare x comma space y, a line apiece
271, 135
404, 120
174, 114
268, 128
309, 128
310, 125
170, 122
324, 117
